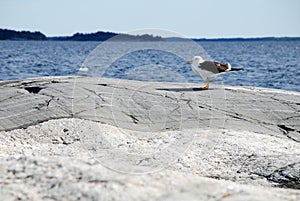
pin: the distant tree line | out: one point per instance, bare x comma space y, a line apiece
103, 36
6, 34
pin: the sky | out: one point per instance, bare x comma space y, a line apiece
188, 18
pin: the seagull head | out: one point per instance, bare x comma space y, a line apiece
196, 60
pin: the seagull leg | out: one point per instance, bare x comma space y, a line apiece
206, 86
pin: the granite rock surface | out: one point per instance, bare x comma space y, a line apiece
70, 138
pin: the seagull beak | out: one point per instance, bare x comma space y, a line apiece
190, 61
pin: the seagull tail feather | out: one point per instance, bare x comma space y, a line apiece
236, 69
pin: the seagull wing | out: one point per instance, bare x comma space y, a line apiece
221, 67
212, 67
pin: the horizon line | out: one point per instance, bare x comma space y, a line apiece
166, 37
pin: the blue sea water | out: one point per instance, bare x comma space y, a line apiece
271, 64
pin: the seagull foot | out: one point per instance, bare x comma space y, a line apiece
204, 87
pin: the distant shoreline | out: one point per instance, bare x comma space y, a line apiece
6, 34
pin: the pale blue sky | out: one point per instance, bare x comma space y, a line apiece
190, 18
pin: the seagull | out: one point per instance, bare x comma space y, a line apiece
208, 69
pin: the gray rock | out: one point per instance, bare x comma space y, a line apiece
69, 138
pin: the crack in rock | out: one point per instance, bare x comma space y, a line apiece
33, 89
134, 119
288, 131
285, 177
285, 129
